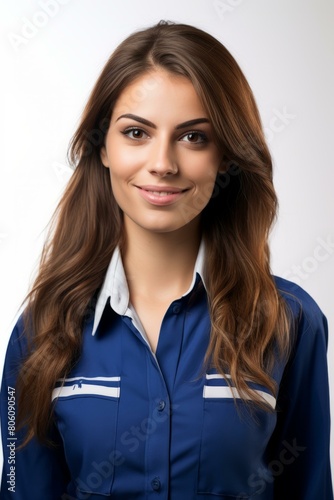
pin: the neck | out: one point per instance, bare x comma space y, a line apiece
160, 265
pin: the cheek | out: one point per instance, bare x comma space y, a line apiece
122, 200
209, 184
123, 159
205, 177
195, 204
121, 168
116, 181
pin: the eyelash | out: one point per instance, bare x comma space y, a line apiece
202, 136
128, 130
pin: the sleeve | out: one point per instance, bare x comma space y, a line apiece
300, 455
36, 471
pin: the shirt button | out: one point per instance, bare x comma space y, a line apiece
156, 484
176, 309
161, 405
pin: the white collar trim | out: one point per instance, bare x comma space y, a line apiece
116, 289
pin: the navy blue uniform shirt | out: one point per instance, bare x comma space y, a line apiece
136, 425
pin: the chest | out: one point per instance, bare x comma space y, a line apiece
129, 413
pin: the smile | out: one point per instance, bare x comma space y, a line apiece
161, 195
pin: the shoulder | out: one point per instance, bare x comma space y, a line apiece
17, 347
297, 297
19, 330
305, 312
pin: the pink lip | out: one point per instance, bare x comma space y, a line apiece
161, 195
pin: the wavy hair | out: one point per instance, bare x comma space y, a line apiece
248, 317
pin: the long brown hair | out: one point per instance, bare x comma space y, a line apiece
249, 321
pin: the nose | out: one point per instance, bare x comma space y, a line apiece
163, 162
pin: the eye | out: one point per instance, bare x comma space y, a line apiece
194, 137
135, 133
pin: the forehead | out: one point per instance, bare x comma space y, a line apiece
159, 91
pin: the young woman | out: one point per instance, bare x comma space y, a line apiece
157, 357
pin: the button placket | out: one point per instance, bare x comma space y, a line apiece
176, 309
156, 483
165, 362
161, 405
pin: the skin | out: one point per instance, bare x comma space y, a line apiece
162, 175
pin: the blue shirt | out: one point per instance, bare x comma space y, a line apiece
133, 424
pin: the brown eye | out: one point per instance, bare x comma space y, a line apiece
135, 133
195, 137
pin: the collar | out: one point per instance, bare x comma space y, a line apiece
115, 286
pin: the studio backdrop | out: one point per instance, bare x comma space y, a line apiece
51, 54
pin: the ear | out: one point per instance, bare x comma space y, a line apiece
104, 156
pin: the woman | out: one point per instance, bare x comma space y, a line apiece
157, 356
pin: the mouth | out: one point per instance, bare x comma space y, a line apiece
161, 195
162, 190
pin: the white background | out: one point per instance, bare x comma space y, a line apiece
49, 63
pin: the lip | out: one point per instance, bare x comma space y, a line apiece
161, 195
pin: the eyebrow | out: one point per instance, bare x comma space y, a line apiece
139, 119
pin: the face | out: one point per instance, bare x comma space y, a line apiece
160, 152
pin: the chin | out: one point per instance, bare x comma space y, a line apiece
162, 228
159, 223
